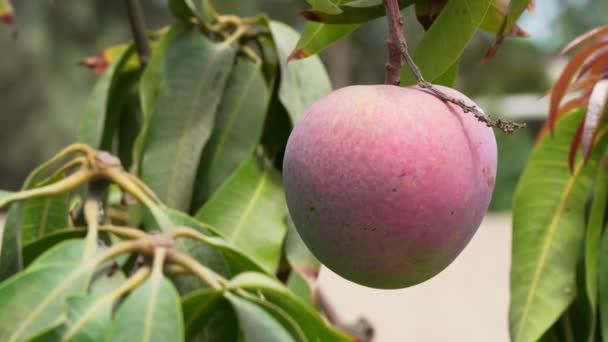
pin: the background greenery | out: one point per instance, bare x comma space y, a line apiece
43, 90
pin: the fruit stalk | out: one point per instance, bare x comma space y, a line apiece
398, 53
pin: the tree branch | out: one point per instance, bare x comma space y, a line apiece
138, 30
398, 53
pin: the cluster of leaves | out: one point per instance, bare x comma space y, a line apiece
559, 283
453, 23
192, 241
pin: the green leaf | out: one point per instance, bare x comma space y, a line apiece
129, 126
182, 100
516, 8
603, 286
186, 10
11, 260
151, 313
209, 317
32, 300
218, 254
302, 82
300, 258
449, 77
88, 318
255, 323
327, 6
548, 225
594, 229
316, 37
308, 319
249, 209
99, 118
238, 127
443, 44
356, 12
35, 248
44, 215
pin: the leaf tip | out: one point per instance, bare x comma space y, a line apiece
297, 54
97, 63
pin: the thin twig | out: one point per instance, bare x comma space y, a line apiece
138, 29
398, 53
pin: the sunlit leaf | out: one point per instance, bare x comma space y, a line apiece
352, 13
33, 300
311, 323
596, 110
180, 94
548, 225
495, 17
454, 28
302, 82
238, 126
151, 313
256, 324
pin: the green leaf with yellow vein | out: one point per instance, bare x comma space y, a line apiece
33, 300
238, 127
548, 226
181, 99
443, 44
150, 313
302, 81
249, 209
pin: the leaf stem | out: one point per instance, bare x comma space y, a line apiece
128, 232
138, 30
91, 215
398, 53
203, 273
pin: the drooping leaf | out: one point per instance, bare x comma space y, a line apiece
255, 323
238, 126
302, 82
596, 110
249, 209
151, 313
300, 258
182, 98
495, 17
218, 254
34, 299
108, 56
307, 318
98, 117
7, 14
454, 28
585, 38
593, 237
561, 85
35, 248
548, 224
44, 215
352, 13
316, 37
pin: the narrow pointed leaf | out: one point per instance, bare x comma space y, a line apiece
302, 82
596, 111
585, 38
316, 37
352, 14
495, 18
100, 62
151, 313
249, 209
548, 225
96, 121
454, 28
311, 323
186, 92
238, 127
256, 324
32, 300
561, 85
516, 8
594, 229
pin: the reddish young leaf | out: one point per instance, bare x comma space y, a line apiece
578, 102
574, 145
596, 64
7, 14
561, 85
596, 109
584, 38
586, 83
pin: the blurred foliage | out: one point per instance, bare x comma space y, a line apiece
43, 90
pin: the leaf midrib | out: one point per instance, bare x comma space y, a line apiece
252, 202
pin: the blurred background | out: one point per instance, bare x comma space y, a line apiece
43, 91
